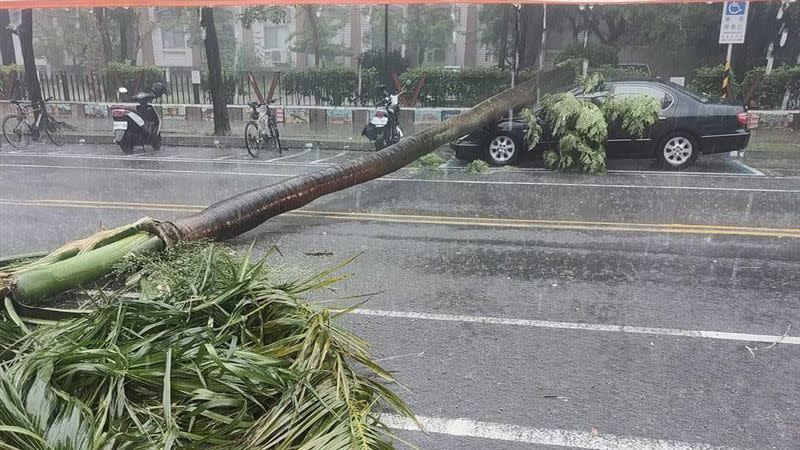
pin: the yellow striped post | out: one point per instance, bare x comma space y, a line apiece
726, 75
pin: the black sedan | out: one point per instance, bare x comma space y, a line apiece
688, 125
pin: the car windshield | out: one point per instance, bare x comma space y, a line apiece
379, 225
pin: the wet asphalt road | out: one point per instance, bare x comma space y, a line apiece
458, 294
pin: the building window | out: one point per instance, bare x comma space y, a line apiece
275, 36
173, 36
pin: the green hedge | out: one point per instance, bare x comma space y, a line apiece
768, 94
708, 80
332, 86
457, 88
123, 74
770, 90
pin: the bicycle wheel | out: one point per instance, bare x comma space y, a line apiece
17, 131
273, 132
54, 130
251, 139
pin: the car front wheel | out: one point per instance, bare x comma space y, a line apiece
678, 151
502, 150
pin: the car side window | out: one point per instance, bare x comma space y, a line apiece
663, 97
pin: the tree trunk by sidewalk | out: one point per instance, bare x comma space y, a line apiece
222, 126
311, 14
502, 50
128, 22
26, 42
7, 53
101, 17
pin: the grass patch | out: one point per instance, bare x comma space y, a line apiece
478, 166
773, 140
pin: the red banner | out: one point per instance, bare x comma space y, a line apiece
19, 4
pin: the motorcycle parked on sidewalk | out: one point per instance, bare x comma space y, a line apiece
138, 125
384, 127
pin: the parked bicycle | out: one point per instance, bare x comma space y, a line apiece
261, 129
18, 130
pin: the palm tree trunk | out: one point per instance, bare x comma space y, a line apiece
28, 59
79, 262
247, 210
222, 126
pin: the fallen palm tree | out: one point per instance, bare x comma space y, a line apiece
199, 349
81, 262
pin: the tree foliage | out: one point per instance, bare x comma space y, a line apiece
598, 54
429, 27
272, 14
317, 38
580, 125
215, 351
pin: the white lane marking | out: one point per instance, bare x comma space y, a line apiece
130, 169
746, 167
451, 164
596, 185
439, 181
160, 159
722, 335
540, 436
289, 156
317, 161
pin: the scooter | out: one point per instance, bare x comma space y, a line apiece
384, 127
139, 125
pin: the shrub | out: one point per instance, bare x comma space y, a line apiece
332, 85
133, 78
708, 80
458, 88
769, 91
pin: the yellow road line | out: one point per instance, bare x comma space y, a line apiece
674, 228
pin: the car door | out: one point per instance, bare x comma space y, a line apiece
620, 143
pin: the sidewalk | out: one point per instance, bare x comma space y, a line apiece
199, 134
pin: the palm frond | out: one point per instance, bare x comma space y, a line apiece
216, 351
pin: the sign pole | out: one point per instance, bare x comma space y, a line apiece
732, 29
726, 73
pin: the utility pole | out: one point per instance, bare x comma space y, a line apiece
586, 13
541, 50
386, 43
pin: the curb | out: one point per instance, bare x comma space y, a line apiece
228, 142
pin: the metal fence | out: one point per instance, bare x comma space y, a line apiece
98, 87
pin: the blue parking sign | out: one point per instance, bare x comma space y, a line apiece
735, 8
733, 26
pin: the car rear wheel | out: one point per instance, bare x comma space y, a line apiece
678, 151
502, 150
